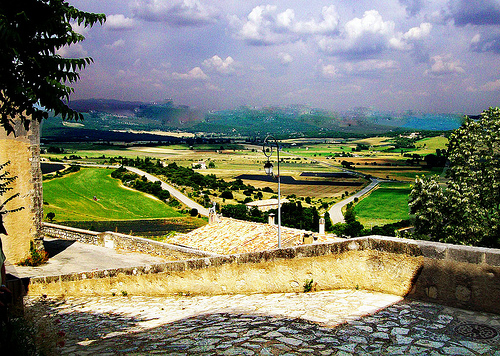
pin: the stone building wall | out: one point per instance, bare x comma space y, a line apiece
22, 149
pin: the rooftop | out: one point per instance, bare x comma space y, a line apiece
230, 236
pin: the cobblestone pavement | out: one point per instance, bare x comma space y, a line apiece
342, 322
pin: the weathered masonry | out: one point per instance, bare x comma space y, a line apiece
22, 149
460, 276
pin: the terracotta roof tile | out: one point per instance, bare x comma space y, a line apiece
230, 236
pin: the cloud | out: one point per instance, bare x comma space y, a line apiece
491, 86
360, 37
285, 58
478, 12
116, 44
444, 66
194, 74
264, 25
118, 23
406, 40
178, 14
488, 43
328, 24
413, 7
372, 66
80, 28
221, 66
329, 71
75, 50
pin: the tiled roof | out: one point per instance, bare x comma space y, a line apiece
230, 236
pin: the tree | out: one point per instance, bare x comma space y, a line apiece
468, 210
32, 74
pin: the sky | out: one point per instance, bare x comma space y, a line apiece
431, 56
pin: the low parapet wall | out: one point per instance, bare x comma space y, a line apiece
460, 276
123, 242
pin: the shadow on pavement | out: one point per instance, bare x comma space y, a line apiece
54, 247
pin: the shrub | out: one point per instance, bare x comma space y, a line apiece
36, 257
227, 194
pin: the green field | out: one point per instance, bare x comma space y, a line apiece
385, 205
71, 198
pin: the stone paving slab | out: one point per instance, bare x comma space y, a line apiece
66, 256
342, 322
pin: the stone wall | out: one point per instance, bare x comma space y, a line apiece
459, 276
123, 242
22, 149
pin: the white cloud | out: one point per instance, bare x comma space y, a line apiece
360, 36
194, 74
180, 13
371, 23
491, 86
75, 50
119, 23
117, 44
264, 25
443, 66
219, 65
329, 71
406, 40
372, 65
329, 23
80, 28
285, 58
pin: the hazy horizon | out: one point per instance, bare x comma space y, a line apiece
397, 55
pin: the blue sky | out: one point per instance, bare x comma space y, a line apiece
432, 56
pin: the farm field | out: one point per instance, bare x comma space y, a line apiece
71, 198
386, 204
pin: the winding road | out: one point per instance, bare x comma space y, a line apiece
173, 191
336, 210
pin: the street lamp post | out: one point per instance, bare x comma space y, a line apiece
268, 168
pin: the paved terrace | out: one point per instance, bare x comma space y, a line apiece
340, 322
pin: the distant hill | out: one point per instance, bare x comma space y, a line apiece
116, 120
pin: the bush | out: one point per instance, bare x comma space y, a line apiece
36, 258
227, 194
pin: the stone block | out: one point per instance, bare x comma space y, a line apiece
465, 254
492, 257
434, 250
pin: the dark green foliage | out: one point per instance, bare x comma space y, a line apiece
133, 180
31, 31
351, 227
294, 215
404, 142
308, 285
386, 230
227, 194
236, 211
51, 216
468, 210
328, 222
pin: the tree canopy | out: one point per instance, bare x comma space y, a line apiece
33, 77
467, 211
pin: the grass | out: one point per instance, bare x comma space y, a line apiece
387, 204
71, 198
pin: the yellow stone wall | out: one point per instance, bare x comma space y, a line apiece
23, 152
